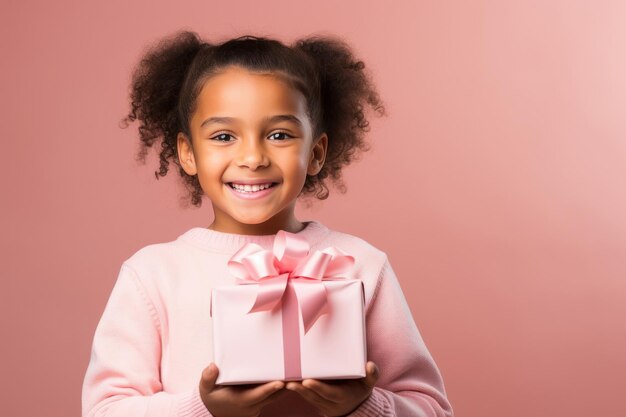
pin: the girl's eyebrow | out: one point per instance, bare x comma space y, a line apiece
277, 118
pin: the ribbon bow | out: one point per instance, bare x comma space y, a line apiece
290, 260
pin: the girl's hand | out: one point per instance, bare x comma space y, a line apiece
337, 397
236, 400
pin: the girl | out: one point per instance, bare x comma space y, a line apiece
253, 125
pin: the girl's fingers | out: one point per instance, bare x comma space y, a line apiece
261, 392
307, 393
331, 393
273, 397
372, 374
208, 377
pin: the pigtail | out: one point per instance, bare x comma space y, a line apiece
345, 91
154, 96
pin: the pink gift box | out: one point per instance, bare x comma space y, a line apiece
257, 347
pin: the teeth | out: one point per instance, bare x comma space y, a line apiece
250, 188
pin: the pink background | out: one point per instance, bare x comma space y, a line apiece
496, 186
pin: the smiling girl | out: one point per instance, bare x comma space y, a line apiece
253, 125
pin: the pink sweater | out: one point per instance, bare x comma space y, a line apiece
154, 337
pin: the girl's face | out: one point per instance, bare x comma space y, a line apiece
251, 128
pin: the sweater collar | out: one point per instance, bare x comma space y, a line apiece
214, 240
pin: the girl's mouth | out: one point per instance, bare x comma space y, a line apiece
251, 191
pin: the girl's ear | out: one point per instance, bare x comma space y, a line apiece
318, 155
185, 154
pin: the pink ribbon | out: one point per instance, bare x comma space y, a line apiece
290, 260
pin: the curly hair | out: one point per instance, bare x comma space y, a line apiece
169, 77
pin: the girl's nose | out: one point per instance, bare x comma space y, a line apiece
252, 154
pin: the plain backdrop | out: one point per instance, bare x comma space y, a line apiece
496, 185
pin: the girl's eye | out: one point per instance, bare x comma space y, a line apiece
281, 133
219, 136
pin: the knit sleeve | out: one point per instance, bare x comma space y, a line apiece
409, 382
123, 374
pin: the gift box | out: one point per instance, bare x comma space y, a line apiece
290, 315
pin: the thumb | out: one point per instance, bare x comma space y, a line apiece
209, 376
371, 374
